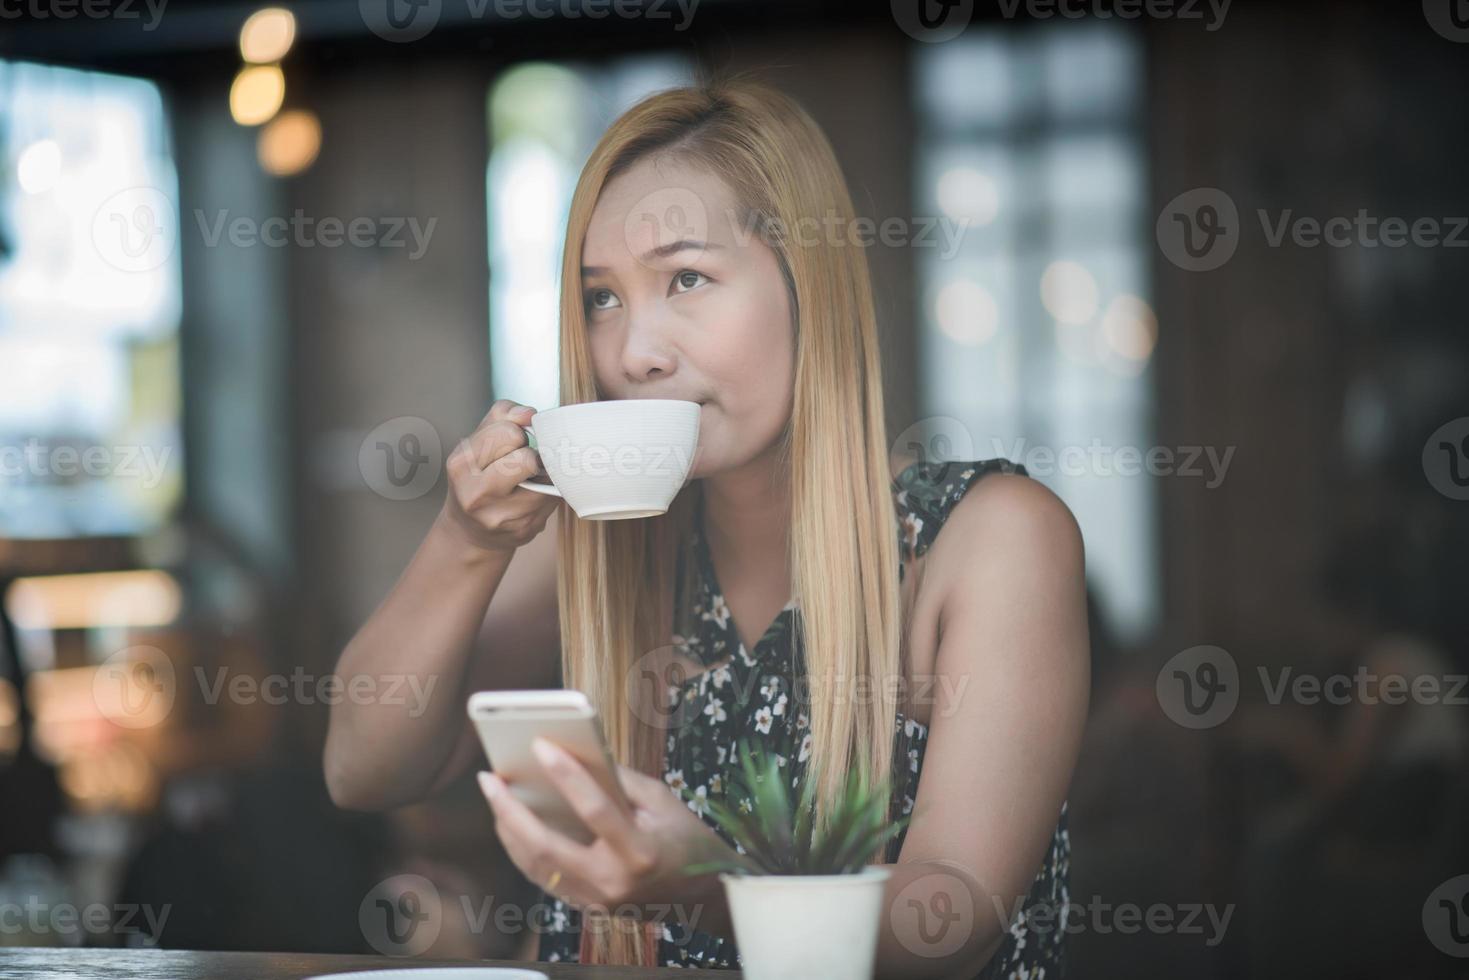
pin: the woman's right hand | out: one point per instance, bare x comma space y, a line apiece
485, 505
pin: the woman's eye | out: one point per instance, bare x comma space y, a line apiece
601, 299
688, 279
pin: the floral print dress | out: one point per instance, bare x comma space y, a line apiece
744, 694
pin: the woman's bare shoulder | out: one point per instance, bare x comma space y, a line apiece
1009, 517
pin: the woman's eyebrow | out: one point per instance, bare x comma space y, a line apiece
658, 252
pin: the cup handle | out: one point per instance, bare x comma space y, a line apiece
546, 488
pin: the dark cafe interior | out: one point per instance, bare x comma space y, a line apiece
1197, 266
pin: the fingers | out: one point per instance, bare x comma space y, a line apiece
495, 458
644, 790
507, 409
537, 850
500, 431
485, 503
490, 494
495, 439
602, 814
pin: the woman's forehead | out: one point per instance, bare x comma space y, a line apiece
657, 203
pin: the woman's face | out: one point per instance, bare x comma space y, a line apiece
683, 301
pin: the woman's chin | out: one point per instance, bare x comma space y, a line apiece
705, 463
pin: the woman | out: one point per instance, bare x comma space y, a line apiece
961, 655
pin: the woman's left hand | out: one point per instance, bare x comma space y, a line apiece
636, 859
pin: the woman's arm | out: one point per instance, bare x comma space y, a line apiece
475, 608
1005, 728
434, 626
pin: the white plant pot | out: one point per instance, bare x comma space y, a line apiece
800, 927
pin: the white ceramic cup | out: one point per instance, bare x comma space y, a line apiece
616, 459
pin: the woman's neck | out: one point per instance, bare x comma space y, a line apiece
747, 515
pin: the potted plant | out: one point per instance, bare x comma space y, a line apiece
802, 898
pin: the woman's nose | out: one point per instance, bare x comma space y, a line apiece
647, 354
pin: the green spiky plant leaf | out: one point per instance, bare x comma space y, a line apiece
780, 836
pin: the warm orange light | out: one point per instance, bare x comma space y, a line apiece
267, 35
257, 94
289, 143
9, 719
117, 776
140, 598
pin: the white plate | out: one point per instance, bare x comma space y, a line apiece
438, 973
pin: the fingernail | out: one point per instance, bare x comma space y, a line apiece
490, 784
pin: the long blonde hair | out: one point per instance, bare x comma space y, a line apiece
615, 578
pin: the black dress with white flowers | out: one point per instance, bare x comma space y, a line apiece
749, 695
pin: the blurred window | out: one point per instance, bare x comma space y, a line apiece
544, 120
1036, 330
89, 305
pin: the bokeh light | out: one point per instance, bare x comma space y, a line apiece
1069, 292
967, 313
267, 35
85, 600
289, 143
257, 94
965, 194
1129, 331
39, 167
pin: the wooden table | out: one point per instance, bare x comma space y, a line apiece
169, 964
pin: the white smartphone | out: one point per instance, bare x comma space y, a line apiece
507, 722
